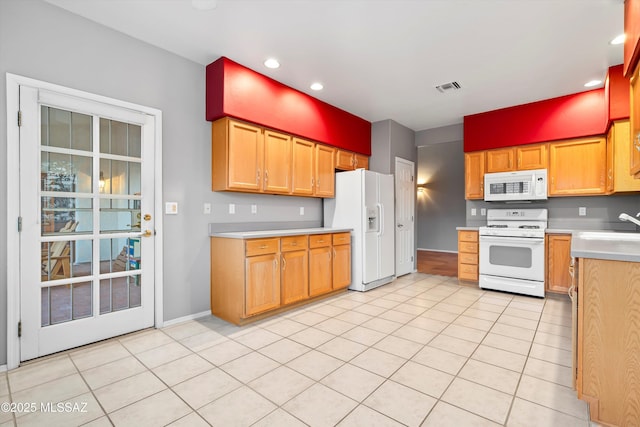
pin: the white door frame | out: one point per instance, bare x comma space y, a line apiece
13, 201
400, 160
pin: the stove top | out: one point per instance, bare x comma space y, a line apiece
515, 223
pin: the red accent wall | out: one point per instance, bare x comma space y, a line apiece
570, 116
236, 91
617, 93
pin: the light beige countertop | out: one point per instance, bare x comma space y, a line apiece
277, 233
467, 228
614, 246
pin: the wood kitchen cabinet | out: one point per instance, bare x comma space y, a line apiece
578, 167
341, 267
294, 269
635, 122
608, 343
320, 264
324, 171
533, 156
303, 167
277, 163
474, 175
558, 250
347, 160
619, 178
468, 255
501, 160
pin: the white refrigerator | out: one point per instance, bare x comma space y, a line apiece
364, 202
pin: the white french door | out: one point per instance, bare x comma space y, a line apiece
405, 226
87, 217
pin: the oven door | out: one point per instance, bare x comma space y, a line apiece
512, 257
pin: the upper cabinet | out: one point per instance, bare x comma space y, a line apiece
632, 33
578, 167
248, 158
619, 179
533, 156
347, 160
474, 175
635, 122
501, 160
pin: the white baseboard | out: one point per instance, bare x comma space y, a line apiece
3, 368
437, 250
186, 318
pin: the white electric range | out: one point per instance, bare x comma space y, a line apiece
512, 251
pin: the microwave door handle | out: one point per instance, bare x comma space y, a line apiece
528, 240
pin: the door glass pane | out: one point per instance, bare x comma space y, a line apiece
65, 259
119, 254
511, 256
120, 138
65, 129
119, 293
119, 219
121, 178
65, 302
64, 172
66, 215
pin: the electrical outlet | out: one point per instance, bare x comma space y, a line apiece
232, 208
301, 210
483, 211
207, 208
582, 211
254, 209
474, 211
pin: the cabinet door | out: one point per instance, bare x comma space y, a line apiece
245, 156
341, 266
320, 280
277, 162
578, 167
474, 175
303, 167
325, 171
295, 276
262, 287
635, 122
345, 160
623, 181
532, 157
361, 161
610, 160
558, 263
502, 160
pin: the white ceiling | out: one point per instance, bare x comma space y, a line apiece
381, 59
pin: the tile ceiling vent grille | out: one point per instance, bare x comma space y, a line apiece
448, 87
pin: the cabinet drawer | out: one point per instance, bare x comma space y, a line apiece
465, 258
319, 240
262, 246
468, 236
342, 238
293, 243
468, 272
467, 247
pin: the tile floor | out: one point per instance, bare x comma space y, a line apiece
421, 351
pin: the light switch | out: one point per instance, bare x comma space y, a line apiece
254, 209
301, 210
171, 208
483, 211
207, 208
232, 208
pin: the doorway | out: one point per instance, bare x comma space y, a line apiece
86, 250
405, 211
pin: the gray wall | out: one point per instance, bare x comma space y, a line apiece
43, 42
441, 207
389, 140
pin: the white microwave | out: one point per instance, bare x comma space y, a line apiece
515, 186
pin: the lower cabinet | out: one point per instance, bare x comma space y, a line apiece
468, 255
558, 278
252, 277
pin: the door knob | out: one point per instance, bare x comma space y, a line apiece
147, 217
147, 233
400, 225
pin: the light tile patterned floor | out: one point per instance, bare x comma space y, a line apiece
422, 351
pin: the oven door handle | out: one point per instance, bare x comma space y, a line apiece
503, 239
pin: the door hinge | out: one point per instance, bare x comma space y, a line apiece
19, 224
19, 118
411, 178
411, 258
19, 329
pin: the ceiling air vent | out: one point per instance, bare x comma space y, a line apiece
448, 87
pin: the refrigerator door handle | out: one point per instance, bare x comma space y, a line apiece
380, 219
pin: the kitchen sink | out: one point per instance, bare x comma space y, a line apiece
609, 235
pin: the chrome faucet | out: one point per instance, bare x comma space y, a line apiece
625, 217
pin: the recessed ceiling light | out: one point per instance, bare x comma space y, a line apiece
618, 40
272, 63
593, 83
204, 4
316, 86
